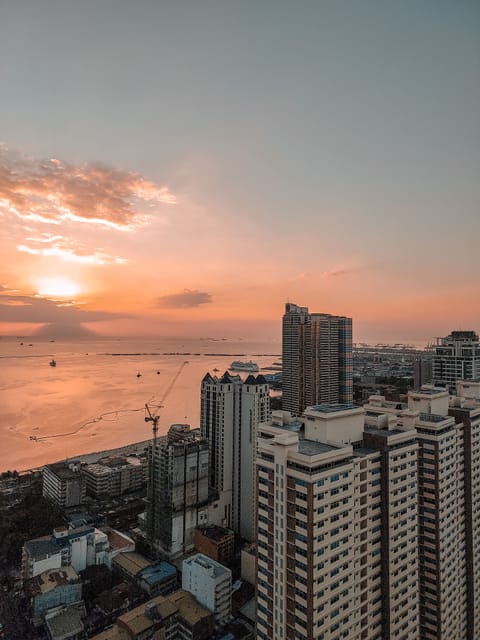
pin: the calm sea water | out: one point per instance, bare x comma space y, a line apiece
94, 400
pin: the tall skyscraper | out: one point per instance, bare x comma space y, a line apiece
230, 412
456, 357
317, 359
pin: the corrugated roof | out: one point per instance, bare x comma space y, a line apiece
131, 562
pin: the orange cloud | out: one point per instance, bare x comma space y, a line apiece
52, 192
68, 249
186, 299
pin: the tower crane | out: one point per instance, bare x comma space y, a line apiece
153, 418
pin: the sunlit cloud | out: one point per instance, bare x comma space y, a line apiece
53, 192
334, 273
185, 299
68, 249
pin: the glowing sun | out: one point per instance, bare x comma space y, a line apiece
58, 287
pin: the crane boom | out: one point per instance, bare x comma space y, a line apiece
149, 417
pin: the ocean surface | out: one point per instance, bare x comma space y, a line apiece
93, 398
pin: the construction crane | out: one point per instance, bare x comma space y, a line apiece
149, 417
154, 419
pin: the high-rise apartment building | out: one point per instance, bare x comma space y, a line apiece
456, 357
177, 490
415, 477
230, 412
317, 359
337, 527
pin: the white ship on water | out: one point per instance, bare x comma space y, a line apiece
244, 366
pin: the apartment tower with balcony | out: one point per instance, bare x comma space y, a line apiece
337, 527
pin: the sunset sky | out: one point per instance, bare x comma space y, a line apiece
185, 168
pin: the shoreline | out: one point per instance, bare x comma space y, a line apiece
94, 456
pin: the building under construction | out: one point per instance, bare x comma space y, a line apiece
178, 489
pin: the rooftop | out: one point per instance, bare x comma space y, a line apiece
313, 448
67, 621
63, 471
131, 562
383, 432
157, 573
216, 533
214, 568
333, 407
181, 602
432, 417
117, 540
190, 610
41, 547
51, 579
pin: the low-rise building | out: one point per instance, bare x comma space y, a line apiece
52, 588
80, 548
210, 583
64, 484
114, 476
215, 542
130, 564
158, 579
178, 615
66, 623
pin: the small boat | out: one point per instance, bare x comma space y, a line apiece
52, 363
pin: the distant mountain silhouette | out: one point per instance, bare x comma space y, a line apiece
56, 330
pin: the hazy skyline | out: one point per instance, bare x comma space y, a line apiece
187, 167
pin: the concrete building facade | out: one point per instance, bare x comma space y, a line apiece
177, 491
231, 409
456, 357
211, 584
330, 556
64, 484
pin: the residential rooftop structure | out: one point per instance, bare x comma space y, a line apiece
130, 564
317, 359
115, 475
177, 615
52, 588
66, 623
64, 484
79, 548
158, 579
210, 583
